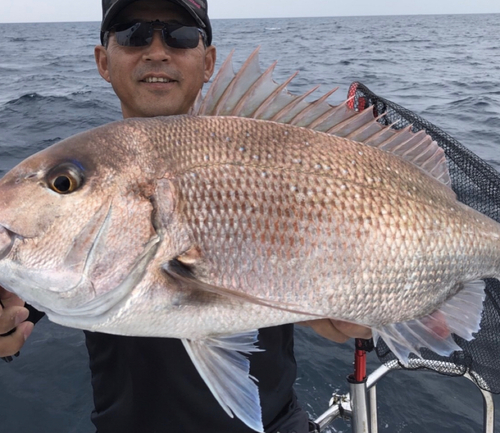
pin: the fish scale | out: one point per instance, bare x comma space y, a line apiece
350, 205
189, 152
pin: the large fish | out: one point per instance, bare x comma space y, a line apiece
205, 228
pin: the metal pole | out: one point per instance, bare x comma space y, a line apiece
373, 409
360, 422
357, 383
324, 419
488, 411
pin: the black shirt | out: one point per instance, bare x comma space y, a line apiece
150, 385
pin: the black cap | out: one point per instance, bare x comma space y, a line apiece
198, 9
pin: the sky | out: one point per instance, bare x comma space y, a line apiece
16, 11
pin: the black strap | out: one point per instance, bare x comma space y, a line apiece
34, 316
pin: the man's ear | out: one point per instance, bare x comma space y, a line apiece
210, 58
101, 59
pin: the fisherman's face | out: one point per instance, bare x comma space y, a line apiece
129, 69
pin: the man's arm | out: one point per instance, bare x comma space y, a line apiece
13, 315
338, 331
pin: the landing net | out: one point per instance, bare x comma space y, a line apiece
477, 185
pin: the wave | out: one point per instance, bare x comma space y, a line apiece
79, 98
477, 101
31, 98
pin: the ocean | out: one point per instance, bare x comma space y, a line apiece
445, 68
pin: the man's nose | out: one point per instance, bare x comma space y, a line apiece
158, 50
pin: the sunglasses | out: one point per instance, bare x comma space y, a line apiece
140, 34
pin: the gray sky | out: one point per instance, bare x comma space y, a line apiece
90, 10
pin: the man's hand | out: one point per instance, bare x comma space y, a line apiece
336, 330
13, 315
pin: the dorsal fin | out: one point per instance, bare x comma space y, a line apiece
253, 93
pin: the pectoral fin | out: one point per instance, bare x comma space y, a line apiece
460, 315
184, 275
226, 371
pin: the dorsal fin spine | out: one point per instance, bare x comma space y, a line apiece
296, 120
364, 128
227, 65
293, 103
337, 129
272, 97
227, 93
397, 133
324, 117
238, 107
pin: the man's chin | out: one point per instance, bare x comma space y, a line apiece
155, 111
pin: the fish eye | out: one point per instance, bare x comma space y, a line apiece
65, 178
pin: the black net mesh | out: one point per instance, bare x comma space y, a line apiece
477, 185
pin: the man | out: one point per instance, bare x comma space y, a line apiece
157, 54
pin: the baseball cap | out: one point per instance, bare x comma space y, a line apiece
198, 9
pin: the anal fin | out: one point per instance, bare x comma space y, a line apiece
222, 364
460, 315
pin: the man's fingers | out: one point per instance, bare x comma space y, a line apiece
10, 317
11, 344
8, 299
12, 320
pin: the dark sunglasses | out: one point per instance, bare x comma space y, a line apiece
140, 34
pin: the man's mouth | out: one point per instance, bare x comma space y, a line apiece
157, 80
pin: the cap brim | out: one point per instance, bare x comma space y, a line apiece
119, 5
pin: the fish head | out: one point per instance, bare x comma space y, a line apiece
76, 219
